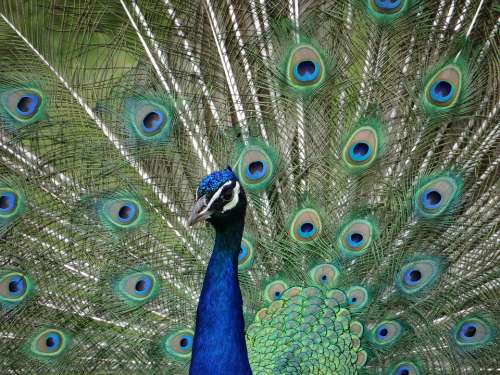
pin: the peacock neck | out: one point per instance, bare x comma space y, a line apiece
219, 343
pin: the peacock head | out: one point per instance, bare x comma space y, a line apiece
220, 199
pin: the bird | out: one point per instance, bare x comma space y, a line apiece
249, 187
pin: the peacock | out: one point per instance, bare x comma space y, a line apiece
236, 187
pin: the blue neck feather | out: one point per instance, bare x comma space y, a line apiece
219, 344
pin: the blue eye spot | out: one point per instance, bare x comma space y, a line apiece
127, 212
52, 342
185, 342
412, 276
360, 151
387, 4
27, 104
7, 202
431, 199
382, 332
442, 91
143, 286
277, 294
468, 331
256, 170
153, 121
306, 71
355, 239
307, 229
243, 253
403, 370
17, 286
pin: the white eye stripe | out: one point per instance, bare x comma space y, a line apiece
234, 200
217, 195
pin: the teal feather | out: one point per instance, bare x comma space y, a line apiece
364, 134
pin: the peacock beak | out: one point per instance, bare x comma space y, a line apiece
199, 212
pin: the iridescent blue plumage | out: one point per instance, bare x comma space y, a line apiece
219, 343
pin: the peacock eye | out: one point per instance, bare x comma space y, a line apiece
274, 290
306, 67
14, 288
246, 255
153, 121
306, 225
179, 344
357, 298
149, 119
417, 275
11, 203
255, 167
386, 333
122, 213
356, 237
472, 333
8, 202
444, 88
25, 105
49, 343
436, 196
361, 149
405, 368
387, 6
324, 275
136, 287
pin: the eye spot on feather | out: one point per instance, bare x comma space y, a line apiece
473, 333
256, 170
179, 344
356, 237
149, 118
15, 288
153, 122
28, 104
122, 213
306, 225
443, 89
361, 149
274, 290
305, 68
386, 333
8, 202
357, 298
12, 202
255, 167
436, 196
405, 368
25, 106
324, 275
386, 6
431, 199
49, 342
246, 254
418, 274
136, 287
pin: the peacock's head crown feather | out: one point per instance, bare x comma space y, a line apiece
211, 183
220, 199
